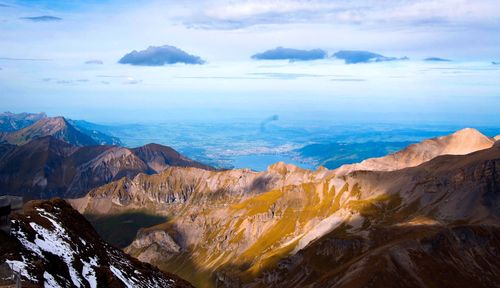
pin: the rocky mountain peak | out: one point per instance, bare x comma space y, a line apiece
52, 245
462, 142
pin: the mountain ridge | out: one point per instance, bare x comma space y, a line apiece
11, 121
22, 127
57, 127
52, 245
464, 141
234, 227
48, 167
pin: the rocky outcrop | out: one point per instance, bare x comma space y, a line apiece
245, 228
394, 256
52, 245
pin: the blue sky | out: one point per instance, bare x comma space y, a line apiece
45, 45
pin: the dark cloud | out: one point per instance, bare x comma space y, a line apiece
495, 63
94, 61
4, 5
159, 56
353, 57
268, 120
44, 18
281, 53
436, 59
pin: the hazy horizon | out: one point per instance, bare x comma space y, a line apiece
76, 59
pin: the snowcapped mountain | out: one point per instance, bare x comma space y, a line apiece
52, 245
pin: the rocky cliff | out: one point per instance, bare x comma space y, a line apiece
232, 228
52, 245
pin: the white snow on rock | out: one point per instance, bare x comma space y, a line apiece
56, 240
120, 276
89, 273
50, 281
20, 267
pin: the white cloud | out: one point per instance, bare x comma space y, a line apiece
224, 14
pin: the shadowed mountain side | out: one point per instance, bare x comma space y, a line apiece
220, 231
12, 121
414, 255
47, 167
157, 157
52, 245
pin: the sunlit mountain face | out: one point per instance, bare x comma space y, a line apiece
250, 143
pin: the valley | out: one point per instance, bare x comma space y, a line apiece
239, 227
417, 204
249, 144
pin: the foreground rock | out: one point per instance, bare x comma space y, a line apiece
52, 245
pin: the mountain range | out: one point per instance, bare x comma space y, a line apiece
15, 121
412, 218
409, 219
19, 129
48, 167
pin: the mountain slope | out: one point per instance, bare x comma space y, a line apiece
52, 245
91, 130
47, 167
415, 255
449, 225
459, 143
39, 125
233, 227
12, 121
57, 127
157, 157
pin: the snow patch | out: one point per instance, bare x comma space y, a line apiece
50, 281
21, 267
120, 276
89, 273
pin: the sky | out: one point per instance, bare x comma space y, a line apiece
139, 61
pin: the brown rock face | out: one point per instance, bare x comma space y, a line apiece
289, 227
462, 142
48, 167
